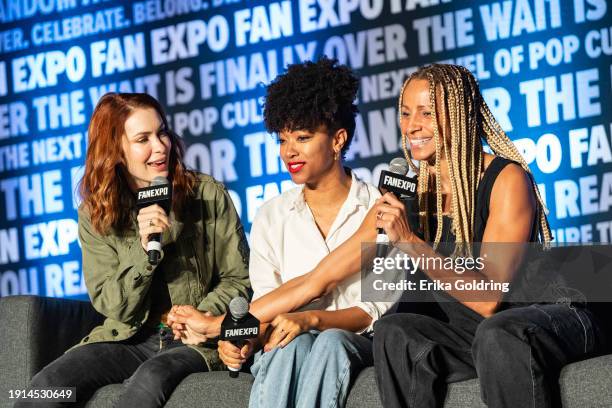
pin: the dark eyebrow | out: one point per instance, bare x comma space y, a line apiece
137, 135
303, 131
418, 107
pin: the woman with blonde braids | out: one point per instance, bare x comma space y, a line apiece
467, 196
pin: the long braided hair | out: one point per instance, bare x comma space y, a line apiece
456, 100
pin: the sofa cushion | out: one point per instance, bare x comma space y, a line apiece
584, 384
587, 383
214, 389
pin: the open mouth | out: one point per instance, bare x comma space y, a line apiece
419, 142
294, 167
158, 165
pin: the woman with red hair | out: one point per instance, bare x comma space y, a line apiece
203, 260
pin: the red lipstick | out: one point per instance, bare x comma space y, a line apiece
294, 167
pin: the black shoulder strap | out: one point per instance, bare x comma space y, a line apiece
484, 195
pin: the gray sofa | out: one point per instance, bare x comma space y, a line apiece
37, 330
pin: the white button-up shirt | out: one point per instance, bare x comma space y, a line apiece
286, 243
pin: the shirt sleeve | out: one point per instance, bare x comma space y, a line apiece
385, 299
375, 309
117, 277
264, 266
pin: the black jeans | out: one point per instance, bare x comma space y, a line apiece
517, 354
150, 365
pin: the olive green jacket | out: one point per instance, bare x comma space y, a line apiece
204, 262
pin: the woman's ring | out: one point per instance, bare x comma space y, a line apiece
379, 215
151, 222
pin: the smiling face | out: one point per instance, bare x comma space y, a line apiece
416, 120
146, 147
308, 155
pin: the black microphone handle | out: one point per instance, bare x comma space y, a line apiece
154, 254
154, 257
381, 248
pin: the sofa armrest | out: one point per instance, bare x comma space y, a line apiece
37, 330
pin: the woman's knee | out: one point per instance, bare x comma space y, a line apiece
395, 328
49, 377
498, 335
331, 342
298, 348
332, 338
164, 372
403, 335
151, 376
302, 343
59, 373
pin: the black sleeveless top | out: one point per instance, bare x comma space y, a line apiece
483, 199
449, 309
481, 212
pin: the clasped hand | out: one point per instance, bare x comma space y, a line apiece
192, 326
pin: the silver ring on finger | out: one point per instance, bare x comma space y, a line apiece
379, 215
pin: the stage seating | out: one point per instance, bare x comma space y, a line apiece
37, 330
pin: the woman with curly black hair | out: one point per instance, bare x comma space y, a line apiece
309, 356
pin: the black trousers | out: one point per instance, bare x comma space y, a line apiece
517, 354
150, 365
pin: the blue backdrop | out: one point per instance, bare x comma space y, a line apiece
544, 66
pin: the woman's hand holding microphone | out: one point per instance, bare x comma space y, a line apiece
391, 217
151, 220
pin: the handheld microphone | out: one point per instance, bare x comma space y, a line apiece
238, 326
159, 192
404, 188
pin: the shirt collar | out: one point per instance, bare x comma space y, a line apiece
358, 195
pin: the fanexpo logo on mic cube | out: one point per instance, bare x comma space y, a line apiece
159, 194
241, 331
245, 328
401, 186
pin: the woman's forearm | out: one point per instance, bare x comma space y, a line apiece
353, 319
284, 299
341, 263
497, 265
